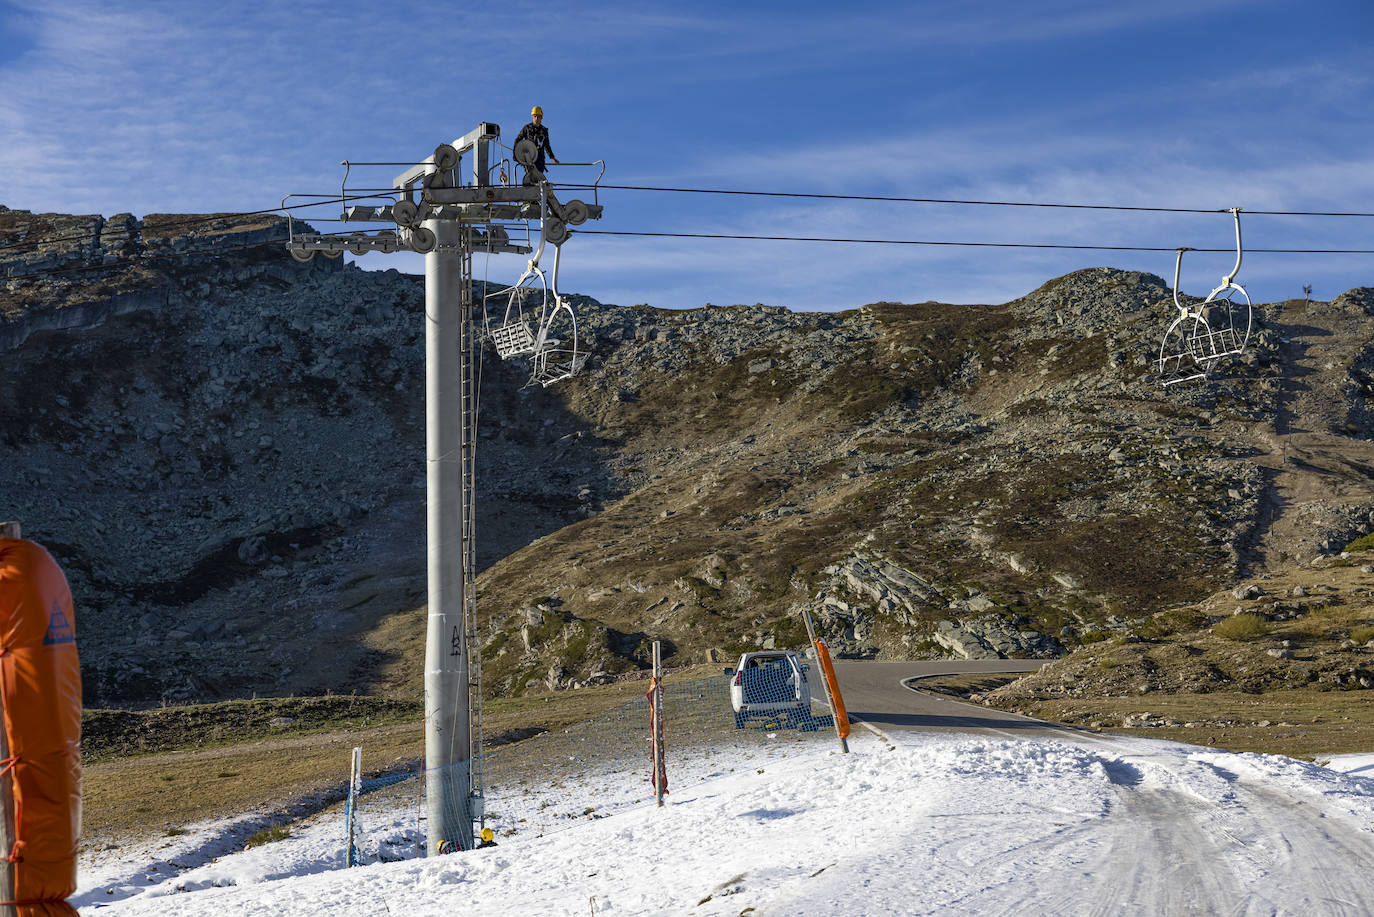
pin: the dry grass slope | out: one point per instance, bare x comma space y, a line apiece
1284, 669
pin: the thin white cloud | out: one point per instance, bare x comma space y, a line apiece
1049, 168
192, 106
1001, 23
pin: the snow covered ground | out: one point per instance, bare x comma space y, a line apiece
918, 824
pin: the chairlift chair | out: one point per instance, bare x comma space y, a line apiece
1200, 336
557, 357
1182, 358
557, 353
547, 335
514, 337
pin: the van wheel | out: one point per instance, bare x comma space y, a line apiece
739, 720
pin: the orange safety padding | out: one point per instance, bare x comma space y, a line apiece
40, 681
841, 715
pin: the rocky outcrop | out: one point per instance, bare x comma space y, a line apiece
861, 591
995, 637
60, 272
874, 583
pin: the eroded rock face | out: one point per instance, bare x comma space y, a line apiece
225, 449
864, 590
65, 272
995, 637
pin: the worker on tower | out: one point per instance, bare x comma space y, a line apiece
535, 132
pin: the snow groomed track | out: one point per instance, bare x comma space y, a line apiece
941, 817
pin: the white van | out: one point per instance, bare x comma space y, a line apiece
771, 684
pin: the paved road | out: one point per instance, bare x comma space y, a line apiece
876, 692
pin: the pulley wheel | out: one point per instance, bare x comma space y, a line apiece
301, 255
525, 152
388, 240
332, 254
357, 243
445, 157
575, 212
404, 212
422, 240
556, 231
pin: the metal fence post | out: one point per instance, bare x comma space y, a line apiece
355, 785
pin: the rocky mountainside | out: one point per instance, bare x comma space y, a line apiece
225, 450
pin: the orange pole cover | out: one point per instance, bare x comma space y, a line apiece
40, 681
841, 715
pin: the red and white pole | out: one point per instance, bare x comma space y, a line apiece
659, 776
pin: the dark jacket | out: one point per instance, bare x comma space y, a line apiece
538, 134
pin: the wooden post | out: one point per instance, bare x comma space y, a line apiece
7, 825
656, 718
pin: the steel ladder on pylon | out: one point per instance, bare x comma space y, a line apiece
470, 405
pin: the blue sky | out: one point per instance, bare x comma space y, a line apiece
190, 106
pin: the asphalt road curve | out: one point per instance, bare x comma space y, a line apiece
878, 693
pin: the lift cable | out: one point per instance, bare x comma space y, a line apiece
218, 250
378, 192
199, 219
145, 259
1106, 248
154, 256
936, 200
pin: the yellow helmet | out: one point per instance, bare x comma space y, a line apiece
487, 835
536, 110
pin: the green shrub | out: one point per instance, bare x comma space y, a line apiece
1363, 543
267, 836
1362, 634
1173, 621
1094, 636
1244, 626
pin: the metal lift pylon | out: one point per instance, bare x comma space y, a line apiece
439, 216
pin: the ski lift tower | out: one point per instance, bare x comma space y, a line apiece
436, 213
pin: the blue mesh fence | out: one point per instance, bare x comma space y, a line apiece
387, 819
712, 727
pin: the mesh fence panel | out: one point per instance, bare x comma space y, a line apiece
387, 819
712, 727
